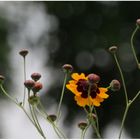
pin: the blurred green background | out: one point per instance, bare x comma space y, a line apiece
80, 33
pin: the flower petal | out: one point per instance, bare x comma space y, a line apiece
77, 76
73, 89
99, 99
80, 101
102, 93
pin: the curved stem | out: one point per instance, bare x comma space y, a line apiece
132, 45
51, 122
97, 120
123, 120
122, 77
62, 94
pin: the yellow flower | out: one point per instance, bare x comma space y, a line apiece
80, 87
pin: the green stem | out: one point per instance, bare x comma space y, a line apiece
84, 132
37, 122
132, 45
97, 120
122, 77
51, 122
12, 99
123, 120
62, 94
24, 80
95, 128
136, 96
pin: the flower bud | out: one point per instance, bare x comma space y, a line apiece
82, 125
52, 118
23, 52
33, 100
2, 78
35, 76
115, 85
138, 22
37, 87
93, 78
29, 84
67, 68
113, 49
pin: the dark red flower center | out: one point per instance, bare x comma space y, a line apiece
83, 87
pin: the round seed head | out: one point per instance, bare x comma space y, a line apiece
23, 52
115, 85
93, 78
138, 22
29, 84
37, 87
35, 76
67, 68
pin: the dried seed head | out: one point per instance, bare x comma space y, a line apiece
37, 87
113, 49
93, 78
67, 68
35, 76
82, 125
52, 117
115, 85
29, 84
2, 78
33, 100
138, 22
23, 52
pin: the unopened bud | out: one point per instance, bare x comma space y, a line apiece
2, 78
33, 100
67, 68
113, 49
82, 125
138, 22
37, 87
115, 85
35, 76
29, 84
23, 52
52, 118
93, 78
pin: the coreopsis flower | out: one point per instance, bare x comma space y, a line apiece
79, 86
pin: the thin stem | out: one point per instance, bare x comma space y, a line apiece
24, 80
122, 77
132, 45
62, 94
136, 96
123, 120
84, 132
12, 99
97, 120
51, 122
37, 122
89, 89
95, 128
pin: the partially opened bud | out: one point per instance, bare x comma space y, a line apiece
23, 52
113, 49
35, 76
29, 84
2, 78
82, 125
93, 78
115, 85
52, 118
67, 68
